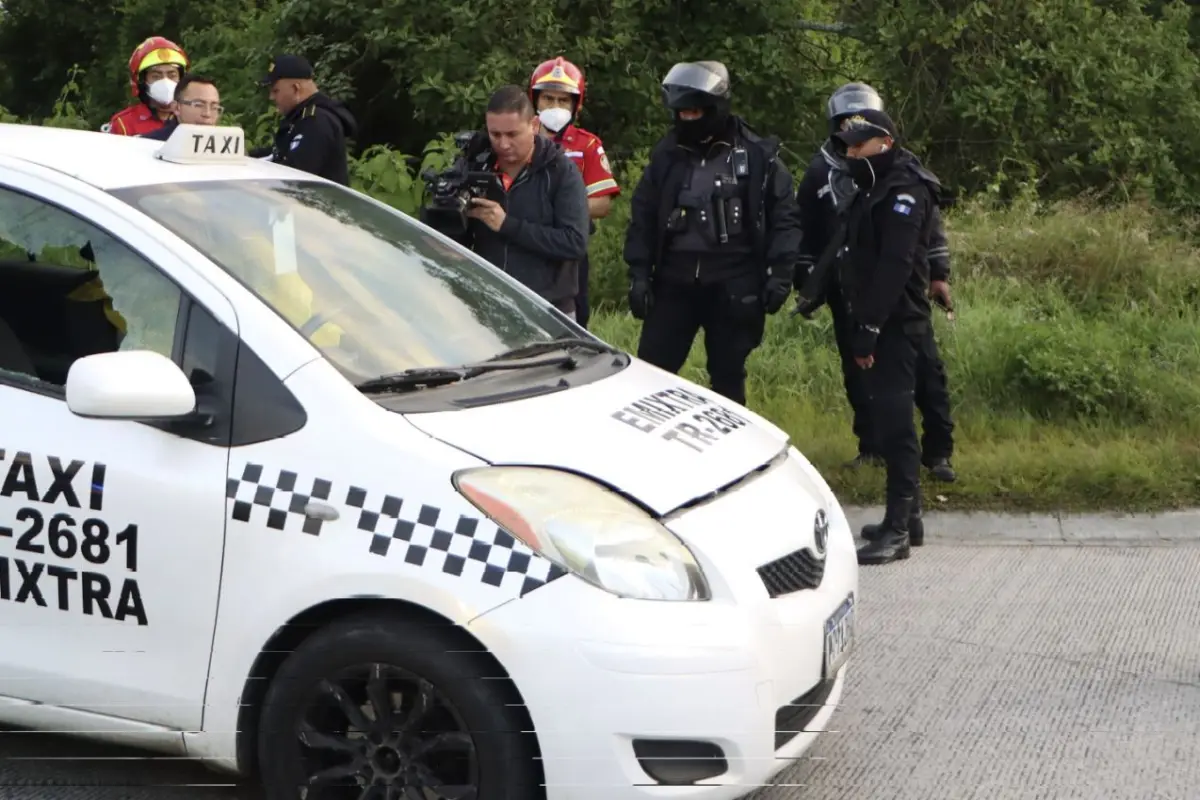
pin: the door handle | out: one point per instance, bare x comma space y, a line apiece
320, 511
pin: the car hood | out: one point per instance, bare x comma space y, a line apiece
644, 432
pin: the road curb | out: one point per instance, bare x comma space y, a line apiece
986, 528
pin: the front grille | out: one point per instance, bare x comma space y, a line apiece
792, 573
792, 719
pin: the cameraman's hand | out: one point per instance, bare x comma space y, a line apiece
489, 212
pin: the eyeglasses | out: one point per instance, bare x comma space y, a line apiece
200, 105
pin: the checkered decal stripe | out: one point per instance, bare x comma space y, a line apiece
455, 544
279, 497
420, 534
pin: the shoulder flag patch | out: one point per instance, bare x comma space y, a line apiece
901, 208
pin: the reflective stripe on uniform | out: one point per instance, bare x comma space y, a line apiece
600, 186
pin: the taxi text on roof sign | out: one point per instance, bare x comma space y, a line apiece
205, 144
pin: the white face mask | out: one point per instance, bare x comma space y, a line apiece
163, 91
555, 118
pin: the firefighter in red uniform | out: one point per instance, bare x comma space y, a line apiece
557, 89
156, 59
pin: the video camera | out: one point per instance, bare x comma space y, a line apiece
452, 190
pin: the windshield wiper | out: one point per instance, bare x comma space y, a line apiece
423, 377
549, 345
413, 379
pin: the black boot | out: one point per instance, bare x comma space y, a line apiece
864, 460
916, 527
891, 543
941, 469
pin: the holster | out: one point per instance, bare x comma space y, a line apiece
815, 288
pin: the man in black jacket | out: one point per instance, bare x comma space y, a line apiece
714, 232
539, 232
822, 195
312, 135
884, 279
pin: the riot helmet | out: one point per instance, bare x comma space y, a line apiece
851, 98
700, 85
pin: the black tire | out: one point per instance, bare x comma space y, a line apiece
466, 692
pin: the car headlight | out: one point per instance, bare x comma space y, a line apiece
587, 529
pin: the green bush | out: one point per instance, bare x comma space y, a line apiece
1058, 95
1050, 97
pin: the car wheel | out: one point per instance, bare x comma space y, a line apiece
378, 708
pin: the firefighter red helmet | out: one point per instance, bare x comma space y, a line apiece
154, 51
558, 75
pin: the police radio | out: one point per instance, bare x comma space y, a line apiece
741, 162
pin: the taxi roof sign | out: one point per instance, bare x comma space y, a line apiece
205, 144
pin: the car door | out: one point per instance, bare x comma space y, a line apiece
111, 531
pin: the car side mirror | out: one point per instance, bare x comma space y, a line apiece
132, 385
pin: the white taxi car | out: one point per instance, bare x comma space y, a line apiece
297, 487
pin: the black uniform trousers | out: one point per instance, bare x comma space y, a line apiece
583, 311
731, 332
890, 386
852, 378
932, 390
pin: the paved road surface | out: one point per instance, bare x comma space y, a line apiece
1000, 672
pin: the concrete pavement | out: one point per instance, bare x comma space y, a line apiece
957, 527
1015, 672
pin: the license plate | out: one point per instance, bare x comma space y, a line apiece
839, 637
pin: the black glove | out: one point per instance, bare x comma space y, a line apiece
805, 307
862, 341
640, 298
776, 292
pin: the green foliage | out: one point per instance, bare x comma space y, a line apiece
1049, 98
68, 111
237, 55
392, 178
435, 64
1065, 94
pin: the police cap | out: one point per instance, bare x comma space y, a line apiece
285, 67
866, 124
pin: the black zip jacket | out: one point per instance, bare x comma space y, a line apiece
163, 133
312, 137
889, 229
776, 231
824, 188
545, 231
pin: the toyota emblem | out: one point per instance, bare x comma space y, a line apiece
820, 532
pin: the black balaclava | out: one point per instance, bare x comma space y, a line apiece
867, 171
696, 131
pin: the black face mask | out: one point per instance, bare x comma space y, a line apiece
697, 131
867, 171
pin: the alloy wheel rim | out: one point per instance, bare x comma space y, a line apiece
378, 732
